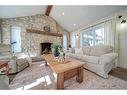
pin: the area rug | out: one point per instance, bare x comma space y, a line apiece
40, 77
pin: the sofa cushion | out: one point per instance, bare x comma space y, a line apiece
91, 59
21, 61
100, 50
97, 53
108, 58
74, 55
71, 50
86, 50
85, 58
78, 51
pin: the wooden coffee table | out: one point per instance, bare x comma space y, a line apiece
65, 70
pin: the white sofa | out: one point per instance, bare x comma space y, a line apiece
99, 59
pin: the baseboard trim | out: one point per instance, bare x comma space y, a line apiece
122, 66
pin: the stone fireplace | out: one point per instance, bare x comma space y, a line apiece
45, 47
31, 42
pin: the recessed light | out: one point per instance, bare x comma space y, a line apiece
74, 24
63, 13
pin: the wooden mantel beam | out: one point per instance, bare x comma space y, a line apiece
48, 10
43, 32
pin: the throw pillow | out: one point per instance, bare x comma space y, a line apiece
86, 50
71, 50
78, 51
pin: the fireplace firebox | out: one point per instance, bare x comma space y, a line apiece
45, 47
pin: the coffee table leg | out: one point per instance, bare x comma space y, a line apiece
79, 77
46, 63
60, 81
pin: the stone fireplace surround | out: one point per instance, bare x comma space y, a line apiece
30, 42
35, 48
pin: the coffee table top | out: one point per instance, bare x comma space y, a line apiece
61, 67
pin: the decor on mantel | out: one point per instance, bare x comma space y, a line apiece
47, 28
43, 32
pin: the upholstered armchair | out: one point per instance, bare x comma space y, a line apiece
6, 55
22, 61
17, 61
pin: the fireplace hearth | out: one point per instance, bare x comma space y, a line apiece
45, 48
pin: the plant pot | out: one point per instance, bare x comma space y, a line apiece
56, 53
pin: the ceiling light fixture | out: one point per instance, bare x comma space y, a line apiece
123, 21
119, 16
77, 36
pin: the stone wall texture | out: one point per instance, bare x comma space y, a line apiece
30, 42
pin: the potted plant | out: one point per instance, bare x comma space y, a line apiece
56, 49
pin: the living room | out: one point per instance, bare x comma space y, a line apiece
91, 43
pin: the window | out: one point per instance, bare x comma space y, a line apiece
65, 41
88, 38
99, 36
93, 36
16, 39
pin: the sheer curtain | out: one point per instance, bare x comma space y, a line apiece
73, 39
110, 34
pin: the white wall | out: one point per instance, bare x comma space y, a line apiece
123, 45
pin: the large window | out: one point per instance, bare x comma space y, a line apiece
16, 39
93, 36
65, 42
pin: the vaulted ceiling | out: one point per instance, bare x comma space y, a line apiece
69, 17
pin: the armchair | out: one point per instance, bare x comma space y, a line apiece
17, 61
21, 61
6, 55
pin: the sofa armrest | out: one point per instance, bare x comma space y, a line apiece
108, 58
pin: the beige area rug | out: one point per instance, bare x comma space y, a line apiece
40, 77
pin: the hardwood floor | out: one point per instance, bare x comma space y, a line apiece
120, 73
